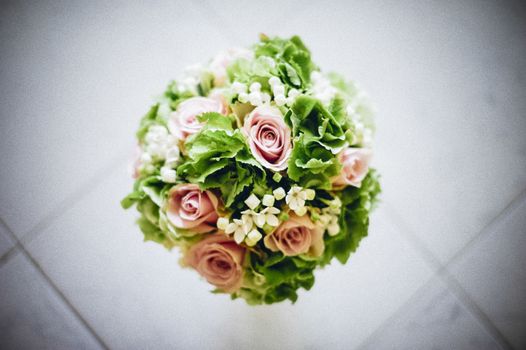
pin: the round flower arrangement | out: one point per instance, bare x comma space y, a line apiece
256, 166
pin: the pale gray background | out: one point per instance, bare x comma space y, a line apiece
443, 266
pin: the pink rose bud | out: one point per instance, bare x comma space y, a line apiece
269, 137
297, 235
355, 165
192, 209
183, 122
218, 259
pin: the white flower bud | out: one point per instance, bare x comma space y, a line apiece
274, 80
253, 237
222, 223
279, 193
252, 201
333, 228
255, 87
280, 100
243, 97
278, 89
255, 98
310, 194
268, 200
293, 93
301, 211
239, 87
168, 175
265, 98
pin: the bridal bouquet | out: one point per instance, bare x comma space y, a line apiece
256, 166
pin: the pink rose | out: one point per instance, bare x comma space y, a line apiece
355, 162
297, 235
269, 137
183, 122
218, 259
192, 209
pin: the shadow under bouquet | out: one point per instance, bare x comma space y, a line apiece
256, 166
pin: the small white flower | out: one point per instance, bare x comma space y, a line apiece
278, 89
255, 98
296, 198
252, 201
239, 228
265, 98
168, 175
268, 200
239, 87
268, 215
274, 80
243, 97
222, 223
249, 216
146, 157
253, 237
293, 93
280, 100
301, 211
333, 228
279, 193
255, 87
310, 193
325, 219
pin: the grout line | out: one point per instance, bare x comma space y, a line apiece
443, 272
11, 253
400, 311
19, 248
70, 200
45, 222
489, 228
460, 293
428, 256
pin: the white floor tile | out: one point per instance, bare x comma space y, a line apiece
6, 242
75, 78
447, 80
436, 319
136, 295
32, 316
493, 272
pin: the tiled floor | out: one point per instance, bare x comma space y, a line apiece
443, 266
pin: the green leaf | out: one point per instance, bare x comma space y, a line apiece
151, 232
357, 204
292, 59
148, 120
218, 157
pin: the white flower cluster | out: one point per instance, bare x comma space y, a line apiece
253, 94
296, 198
278, 90
246, 228
160, 145
330, 215
363, 133
322, 88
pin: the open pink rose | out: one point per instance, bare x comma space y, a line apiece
269, 137
218, 259
192, 209
355, 165
183, 122
297, 235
